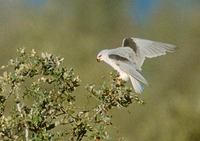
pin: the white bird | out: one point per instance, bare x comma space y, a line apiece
128, 59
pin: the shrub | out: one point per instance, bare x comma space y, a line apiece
38, 101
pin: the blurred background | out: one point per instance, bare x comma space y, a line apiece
77, 30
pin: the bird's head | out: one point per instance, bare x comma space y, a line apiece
101, 55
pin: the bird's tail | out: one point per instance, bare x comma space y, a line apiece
137, 85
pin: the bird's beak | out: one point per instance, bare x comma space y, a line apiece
98, 60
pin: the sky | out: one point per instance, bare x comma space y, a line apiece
35, 3
141, 10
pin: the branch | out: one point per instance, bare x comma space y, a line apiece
19, 109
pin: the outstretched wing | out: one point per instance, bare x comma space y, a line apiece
152, 48
147, 48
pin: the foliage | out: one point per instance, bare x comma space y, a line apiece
43, 101
77, 30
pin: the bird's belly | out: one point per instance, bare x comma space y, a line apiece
123, 76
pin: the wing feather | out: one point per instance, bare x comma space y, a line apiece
130, 69
124, 52
150, 49
137, 85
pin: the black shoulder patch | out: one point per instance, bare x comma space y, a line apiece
128, 42
117, 57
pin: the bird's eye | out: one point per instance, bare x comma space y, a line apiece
100, 56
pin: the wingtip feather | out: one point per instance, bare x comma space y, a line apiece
137, 85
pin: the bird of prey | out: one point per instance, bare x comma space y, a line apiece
128, 59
